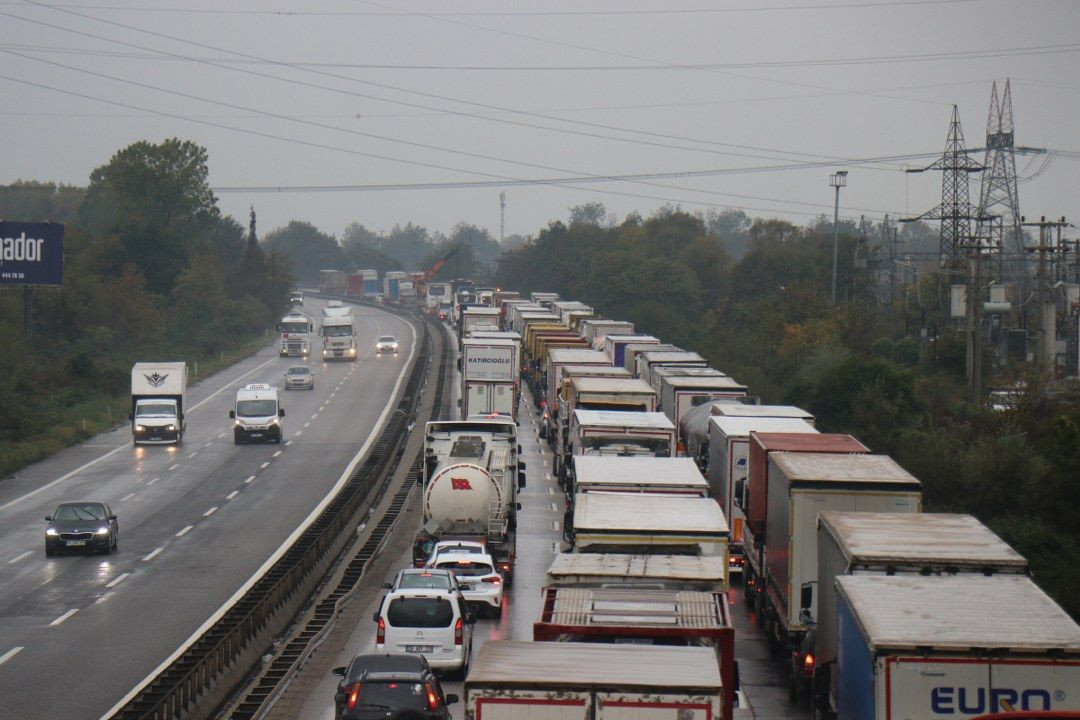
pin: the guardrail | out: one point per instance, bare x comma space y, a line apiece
270, 604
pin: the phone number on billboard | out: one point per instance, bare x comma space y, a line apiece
12, 276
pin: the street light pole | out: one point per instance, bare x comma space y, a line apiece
836, 180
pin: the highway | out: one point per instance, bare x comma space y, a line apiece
198, 524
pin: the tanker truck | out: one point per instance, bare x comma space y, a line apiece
472, 476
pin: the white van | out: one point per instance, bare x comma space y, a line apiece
258, 414
432, 623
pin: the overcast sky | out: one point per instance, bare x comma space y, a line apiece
353, 93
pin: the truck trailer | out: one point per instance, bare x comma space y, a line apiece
667, 572
614, 433
489, 377
158, 402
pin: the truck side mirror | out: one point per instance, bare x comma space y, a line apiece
521, 481
131, 416
339, 671
459, 402
521, 464
340, 697
451, 699
232, 414
519, 448
740, 493
387, 586
180, 416
281, 412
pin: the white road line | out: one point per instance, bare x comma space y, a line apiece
551, 491
125, 446
554, 508
233, 494
250, 478
264, 466
174, 467
210, 512
151, 482
193, 454
307, 423
315, 416
288, 443
321, 408
221, 436
555, 525
153, 555
119, 579
10, 654
276, 454
300, 432
333, 394
127, 497
285, 545
185, 531
19, 557
547, 476
63, 617
208, 444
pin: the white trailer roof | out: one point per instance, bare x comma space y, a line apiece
957, 613
619, 566
634, 339
841, 468
531, 664
741, 410
636, 607
623, 419
489, 342
743, 426
688, 371
495, 335
671, 356
599, 470
577, 355
944, 538
612, 385
594, 370
640, 512
693, 382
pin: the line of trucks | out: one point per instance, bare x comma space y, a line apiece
677, 484
337, 333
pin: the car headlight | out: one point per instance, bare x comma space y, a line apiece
275, 421
140, 428
51, 532
103, 530
171, 428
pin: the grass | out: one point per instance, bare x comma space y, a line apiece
103, 412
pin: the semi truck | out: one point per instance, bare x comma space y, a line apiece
681, 393
332, 282
955, 647
914, 544
294, 333
158, 402
472, 476
801, 485
514, 680
666, 572
489, 376
651, 475
614, 432
631, 351
594, 329
338, 336
615, 345
694, 424
391, 290
370, 283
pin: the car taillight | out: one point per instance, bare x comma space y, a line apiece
736, 560
505, 566
808, 662
380, 632
432, 698
495, 580
354, 694
458, 635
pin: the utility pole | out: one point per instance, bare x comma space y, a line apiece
974, 318
836, 180
1046, 342
502, 217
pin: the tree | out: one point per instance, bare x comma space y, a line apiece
157, 200
733, 229
307, 249
592, 213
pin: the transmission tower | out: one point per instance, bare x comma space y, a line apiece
955, 211
998, 196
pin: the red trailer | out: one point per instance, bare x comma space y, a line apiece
355, 285
635, 615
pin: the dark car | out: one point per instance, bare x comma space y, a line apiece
390, 685
801, 672
82, 526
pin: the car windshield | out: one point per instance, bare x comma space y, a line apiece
427, 581
387, 338
393, 695
420, 612
299, 371
465, 568
256, 408
156, 410
85, 511
337, 330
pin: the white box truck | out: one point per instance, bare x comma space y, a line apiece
952, 647
490, 376
158, 402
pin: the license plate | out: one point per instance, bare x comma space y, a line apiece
254, 435
75, 543
419, 648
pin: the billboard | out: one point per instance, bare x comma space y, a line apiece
31, 253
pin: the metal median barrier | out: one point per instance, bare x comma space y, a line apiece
208, 669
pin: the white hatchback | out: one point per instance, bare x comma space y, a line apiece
432, 623
480, 582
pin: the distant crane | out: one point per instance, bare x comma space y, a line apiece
423, 280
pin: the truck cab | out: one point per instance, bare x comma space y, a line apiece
158, 395
258, 415
295, 335
339, 338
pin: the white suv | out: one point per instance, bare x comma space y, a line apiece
480, 583
432, 623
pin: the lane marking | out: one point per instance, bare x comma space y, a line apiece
126, 445
277, 554
63, 617
321, 408
151, 482
185, 531
250, 478
208, 444
221, 436
547, 476
264, 466
555, 525
333, 394
288, 443
307, 423
210, 512
19, 557
299, 432
554, 508
174, 466
233, 494
193, 454
10, 654
127, 497
314, 416
276, 454
153, 555
119, 579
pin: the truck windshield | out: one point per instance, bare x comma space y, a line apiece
296, 326
155, 409
337, 330
256, 408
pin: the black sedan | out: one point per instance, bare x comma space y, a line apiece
82, 526
376, 686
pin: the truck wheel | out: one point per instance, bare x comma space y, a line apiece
792, 686
236, 438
